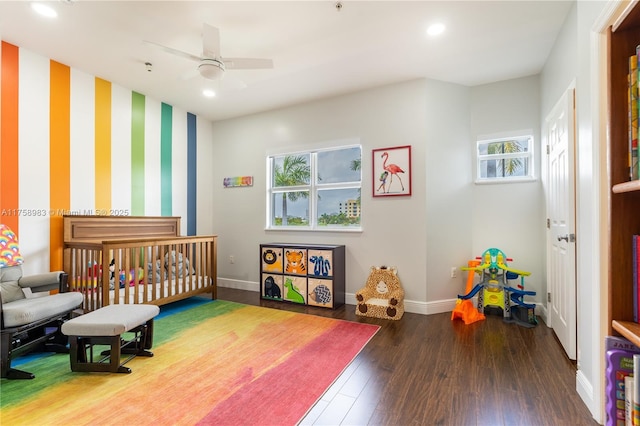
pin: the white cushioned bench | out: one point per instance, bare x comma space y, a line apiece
105, 326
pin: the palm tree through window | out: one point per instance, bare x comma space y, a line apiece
315, 189
505, 159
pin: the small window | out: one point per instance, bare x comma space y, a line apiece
315, 190
506, 159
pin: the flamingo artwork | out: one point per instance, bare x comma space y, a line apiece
393, 170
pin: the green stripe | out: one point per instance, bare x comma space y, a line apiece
165, 160
175, 322
137, 154
192, 172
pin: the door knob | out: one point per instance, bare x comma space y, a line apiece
570, 238
566, 238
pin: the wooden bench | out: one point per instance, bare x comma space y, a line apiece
106, 326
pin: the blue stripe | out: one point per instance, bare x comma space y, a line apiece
182, 305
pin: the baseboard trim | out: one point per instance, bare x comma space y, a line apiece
585, 390
239, 284
541, 311
413, 306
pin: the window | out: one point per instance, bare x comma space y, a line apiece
315, 190
505, 159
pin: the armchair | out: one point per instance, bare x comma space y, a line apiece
30, 316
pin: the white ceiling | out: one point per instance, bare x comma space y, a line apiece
317, 51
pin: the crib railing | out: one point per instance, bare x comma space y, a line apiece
149, 270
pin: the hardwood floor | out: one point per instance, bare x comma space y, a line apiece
429, 370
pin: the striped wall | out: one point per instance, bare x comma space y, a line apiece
73, 143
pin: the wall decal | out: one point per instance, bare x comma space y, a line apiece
234, 182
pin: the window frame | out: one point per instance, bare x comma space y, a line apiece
313, 187
528, 155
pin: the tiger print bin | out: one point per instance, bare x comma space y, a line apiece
382, 296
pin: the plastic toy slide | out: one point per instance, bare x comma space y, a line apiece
464, 309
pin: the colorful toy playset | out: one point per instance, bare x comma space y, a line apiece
495, 294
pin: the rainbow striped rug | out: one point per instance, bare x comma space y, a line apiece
215, 362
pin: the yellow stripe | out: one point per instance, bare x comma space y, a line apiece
59, 155
103, 145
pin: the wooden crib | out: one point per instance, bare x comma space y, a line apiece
136, 259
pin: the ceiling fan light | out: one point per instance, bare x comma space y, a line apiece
211, 69
209, 93
436, 29
44, 10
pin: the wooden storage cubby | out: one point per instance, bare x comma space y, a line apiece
624, 199
305, 274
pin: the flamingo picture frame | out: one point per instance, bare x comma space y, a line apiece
391, 171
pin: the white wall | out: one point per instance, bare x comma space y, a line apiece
558, 75
394, 227
573, 59
561, 66
448, 192
510, 216
206, 171
423, 235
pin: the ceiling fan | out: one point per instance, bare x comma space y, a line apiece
211, 65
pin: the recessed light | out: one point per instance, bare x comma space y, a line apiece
436, 29
44, 10
209, 93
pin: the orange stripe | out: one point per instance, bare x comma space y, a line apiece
9, 136
103, 144
59, 155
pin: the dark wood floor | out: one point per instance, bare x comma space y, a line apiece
429, 370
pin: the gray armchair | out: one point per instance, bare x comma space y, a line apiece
31, 317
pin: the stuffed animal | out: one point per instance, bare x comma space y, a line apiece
112, 274
382, 296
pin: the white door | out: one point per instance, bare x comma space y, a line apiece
561, 247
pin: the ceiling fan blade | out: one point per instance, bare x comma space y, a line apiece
247, 63
174, 51
210, 42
